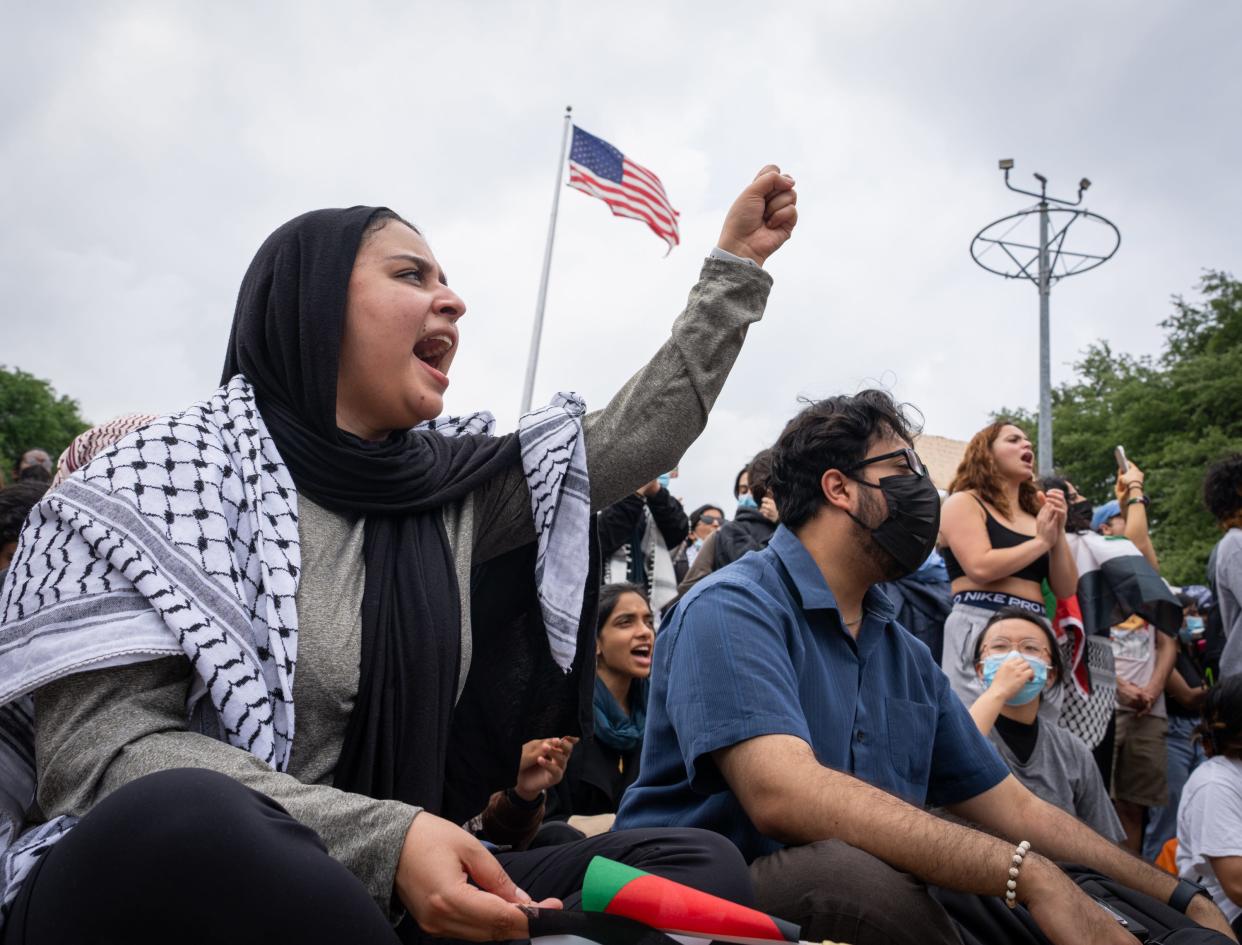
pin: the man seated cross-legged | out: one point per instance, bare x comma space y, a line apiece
792, 714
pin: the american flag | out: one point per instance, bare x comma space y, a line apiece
599, 169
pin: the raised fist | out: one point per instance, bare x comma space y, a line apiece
762, 217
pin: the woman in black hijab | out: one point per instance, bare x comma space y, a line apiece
410, 559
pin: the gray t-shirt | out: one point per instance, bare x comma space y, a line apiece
1062, 772
1228, 589
1209, 824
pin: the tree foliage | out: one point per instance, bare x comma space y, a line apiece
32, 416
1175, 414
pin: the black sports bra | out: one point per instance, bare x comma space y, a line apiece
1000, 537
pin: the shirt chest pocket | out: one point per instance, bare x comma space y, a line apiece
911, 734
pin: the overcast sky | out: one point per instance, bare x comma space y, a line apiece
146, 149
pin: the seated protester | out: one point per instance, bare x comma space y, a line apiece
313, 517
639, 536
603, 766
1209, 820
1222, 494
790, 713
1185, 693
1017, 659
750, 530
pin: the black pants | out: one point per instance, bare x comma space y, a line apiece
193, 856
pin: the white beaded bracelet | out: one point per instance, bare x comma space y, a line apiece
1011, 887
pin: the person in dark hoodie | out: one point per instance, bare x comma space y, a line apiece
750, 529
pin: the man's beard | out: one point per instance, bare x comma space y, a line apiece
871, 511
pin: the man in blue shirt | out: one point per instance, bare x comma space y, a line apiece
790, 713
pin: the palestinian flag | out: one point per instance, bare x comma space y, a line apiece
616, 889
1115, 581
1066, 619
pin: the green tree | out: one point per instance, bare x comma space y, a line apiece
1174, 414
33, 415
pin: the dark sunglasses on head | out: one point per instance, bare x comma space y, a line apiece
912, 461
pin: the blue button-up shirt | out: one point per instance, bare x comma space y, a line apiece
758, 648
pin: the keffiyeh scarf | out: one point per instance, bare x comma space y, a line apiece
182, 539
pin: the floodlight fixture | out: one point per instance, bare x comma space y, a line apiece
1006, 164
1041, 178
1083, 185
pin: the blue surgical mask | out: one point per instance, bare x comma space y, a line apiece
664, 479
746, 501
1028, 692
1192, 630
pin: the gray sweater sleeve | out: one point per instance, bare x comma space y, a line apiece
97, 731
650, 423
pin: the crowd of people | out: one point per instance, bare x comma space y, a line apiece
879, 710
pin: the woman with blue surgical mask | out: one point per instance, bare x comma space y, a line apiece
1018, 660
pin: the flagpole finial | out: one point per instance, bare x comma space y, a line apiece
568, 109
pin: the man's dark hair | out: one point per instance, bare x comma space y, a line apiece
16, 501
1221, 727
833, 433
1020, 613
608, 596
759, 473
1222, 490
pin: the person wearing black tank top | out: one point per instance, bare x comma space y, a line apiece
1001, 538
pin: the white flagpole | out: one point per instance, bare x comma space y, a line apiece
528, 389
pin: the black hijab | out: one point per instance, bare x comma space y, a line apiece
286, 339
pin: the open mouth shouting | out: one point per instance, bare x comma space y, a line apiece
433, 353
1028, 457
641, 655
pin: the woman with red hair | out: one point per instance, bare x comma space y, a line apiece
1002, 538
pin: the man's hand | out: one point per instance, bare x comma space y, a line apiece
762, 218
543, 765
1063, 912
653, 486
767, 508
438, 860
1131, 696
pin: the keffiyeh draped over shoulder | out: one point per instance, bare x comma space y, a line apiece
182, 538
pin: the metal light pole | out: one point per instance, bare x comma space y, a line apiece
1041, 268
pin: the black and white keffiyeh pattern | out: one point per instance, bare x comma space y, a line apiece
182, 538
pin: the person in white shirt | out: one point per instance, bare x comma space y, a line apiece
1209, 819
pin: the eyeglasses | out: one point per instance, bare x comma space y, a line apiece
710, 519
913, 462
1030, 647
